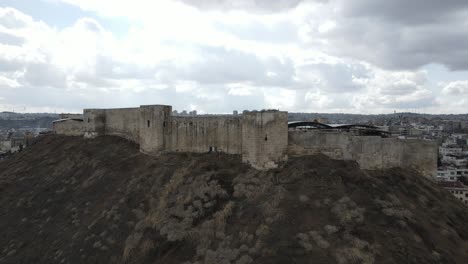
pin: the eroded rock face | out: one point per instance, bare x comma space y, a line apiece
70, 200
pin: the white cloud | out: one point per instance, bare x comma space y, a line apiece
8, 83
13, 19
225, 55
456, 88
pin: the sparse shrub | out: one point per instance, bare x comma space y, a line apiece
221, 216
303, 198
330, 229
317, 203
131, 243
246, 239
245, 259
397, 212
244, 248
347, 211
271, 207
358, 251
319, 240
423, 200
262, 231
255, 250
353, 255
221, 255
146, 247
250, 186
304, 241
394, 208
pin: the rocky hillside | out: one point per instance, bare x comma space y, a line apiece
70, 200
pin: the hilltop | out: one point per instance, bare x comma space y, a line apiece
70, 200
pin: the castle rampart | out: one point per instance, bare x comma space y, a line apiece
69, 127
202, 134
261, 138
370, 152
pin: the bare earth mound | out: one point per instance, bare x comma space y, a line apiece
70, 200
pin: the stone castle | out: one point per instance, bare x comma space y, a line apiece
262, 138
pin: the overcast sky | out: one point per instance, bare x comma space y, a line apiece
215, 56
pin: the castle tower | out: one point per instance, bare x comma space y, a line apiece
94, 122
264, 138
154, 119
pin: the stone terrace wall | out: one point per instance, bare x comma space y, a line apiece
200, 133
370, 152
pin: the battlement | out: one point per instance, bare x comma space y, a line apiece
261, 138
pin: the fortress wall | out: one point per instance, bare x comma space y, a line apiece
332, 144
200, 133
264, 138
370, 152
69, 127
261, 137
420, 155
373, 152
70, 116
123, 122
153, 122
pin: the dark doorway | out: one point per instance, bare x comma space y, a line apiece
213, 149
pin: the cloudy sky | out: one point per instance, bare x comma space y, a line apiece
360, 56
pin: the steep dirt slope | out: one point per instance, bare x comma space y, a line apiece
70, 200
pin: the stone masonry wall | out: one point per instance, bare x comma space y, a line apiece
370, 152
264, 138
123, 122
420, 155
153, 120
69, 127
204, 133
260, 137
94, 122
